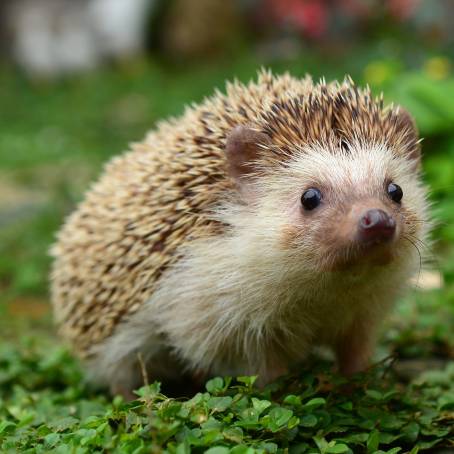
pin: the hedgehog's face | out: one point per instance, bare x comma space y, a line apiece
355, 207
341, 207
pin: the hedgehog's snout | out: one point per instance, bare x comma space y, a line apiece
376, 226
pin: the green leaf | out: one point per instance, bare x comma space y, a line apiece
51, 440
373, 441
291, 399
234, 434
293, 422
394, 450
278, 418
248, 381
308, 421
347, 406
338, 449
215, 385
62, 424
411, 431
217, 404
321, 443
375, 395
315, 403
217, 450
260, 405
6, 426
242, 449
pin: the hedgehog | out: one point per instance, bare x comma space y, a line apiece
280, 216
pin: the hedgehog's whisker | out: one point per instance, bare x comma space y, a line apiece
423, 244
429, 256
415, 245
417, 240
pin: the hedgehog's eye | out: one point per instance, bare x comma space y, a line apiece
311, 199
395, 192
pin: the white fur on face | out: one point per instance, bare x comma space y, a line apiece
357, 176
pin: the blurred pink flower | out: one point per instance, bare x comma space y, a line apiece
307, 16
312, 17
402, 9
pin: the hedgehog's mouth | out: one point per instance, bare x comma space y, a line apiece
360, 255
374, 252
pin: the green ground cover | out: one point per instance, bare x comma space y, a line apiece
54, 139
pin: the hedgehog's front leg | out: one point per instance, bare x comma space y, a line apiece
271, 373
354, 347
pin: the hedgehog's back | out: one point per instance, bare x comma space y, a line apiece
112, 250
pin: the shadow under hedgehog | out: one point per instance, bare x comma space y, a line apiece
281, 215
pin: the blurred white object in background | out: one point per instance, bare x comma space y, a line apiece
53, 37
122, 33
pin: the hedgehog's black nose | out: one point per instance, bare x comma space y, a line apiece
376, 226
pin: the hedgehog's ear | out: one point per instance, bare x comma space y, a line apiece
243, 147
412, 145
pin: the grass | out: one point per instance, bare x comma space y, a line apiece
55, 140
49, 409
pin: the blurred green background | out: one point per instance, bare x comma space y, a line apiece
58, 128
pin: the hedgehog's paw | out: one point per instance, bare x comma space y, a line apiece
354, 349
271, 372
